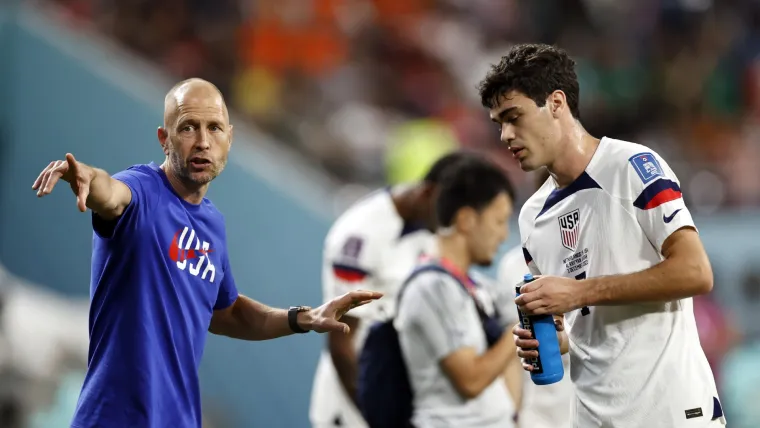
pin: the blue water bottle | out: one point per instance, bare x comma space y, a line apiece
547, 367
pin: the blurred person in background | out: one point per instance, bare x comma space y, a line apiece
161, 276
740, 379
374, 245
454, 343
619, 251
546, 406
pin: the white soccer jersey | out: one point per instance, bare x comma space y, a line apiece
369, 247
545, 406
638, 365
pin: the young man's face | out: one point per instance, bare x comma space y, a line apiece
491, 229
530, 132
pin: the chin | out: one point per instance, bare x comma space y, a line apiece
528, 166
201, 178
484, 263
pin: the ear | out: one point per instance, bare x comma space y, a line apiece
466, 219
163, 135
231, 133
556, 103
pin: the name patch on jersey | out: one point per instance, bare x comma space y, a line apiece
646, 166
569, 229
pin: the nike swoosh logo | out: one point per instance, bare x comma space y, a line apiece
669, 218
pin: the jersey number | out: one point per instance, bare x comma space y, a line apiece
584, 310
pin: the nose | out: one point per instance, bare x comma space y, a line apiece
507, 133
202, 142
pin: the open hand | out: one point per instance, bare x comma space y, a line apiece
550, 295
77, 174
327, 317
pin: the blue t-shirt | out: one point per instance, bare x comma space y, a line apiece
158, 273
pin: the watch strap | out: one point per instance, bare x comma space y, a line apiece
293, 318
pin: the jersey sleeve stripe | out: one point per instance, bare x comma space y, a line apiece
349, 273
658, 193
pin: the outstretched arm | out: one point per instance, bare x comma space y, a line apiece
94, 188
248, 319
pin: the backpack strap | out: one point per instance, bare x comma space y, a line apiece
485, 319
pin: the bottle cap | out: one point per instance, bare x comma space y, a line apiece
528, 277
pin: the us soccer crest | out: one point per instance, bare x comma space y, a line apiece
569, 229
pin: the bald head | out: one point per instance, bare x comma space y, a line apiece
192, 92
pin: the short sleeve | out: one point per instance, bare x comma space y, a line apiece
143, 183
349, 264
657, 200
228, 291
437, 310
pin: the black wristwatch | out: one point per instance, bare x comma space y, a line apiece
293, 318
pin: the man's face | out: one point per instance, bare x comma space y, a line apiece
531, 133
198, 139
490, 230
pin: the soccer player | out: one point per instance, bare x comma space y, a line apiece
546, 406
619, 251
455, 367
374, 245
161, 274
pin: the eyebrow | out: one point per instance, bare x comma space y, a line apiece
500, 117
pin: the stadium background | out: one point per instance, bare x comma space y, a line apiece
331, 98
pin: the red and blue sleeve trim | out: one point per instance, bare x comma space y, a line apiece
658, 193
349, 273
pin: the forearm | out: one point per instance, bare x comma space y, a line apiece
346, 366
344, 356
248, 319
102, 197
672, 279
513, 378
492, 363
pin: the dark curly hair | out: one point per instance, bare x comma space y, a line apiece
535, 70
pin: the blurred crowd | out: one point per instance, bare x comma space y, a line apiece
374, 90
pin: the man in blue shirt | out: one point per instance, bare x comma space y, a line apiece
161, 274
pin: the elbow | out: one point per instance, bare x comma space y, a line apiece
469, 390
702, 278
705, 284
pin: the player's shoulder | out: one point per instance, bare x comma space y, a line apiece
430, 284
533, 206
624, 168
141, 171
370, 218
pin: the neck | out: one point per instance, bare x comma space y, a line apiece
192, 193
577, 151
404, 199
454, 249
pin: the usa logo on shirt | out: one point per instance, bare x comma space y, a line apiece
189, 252
569, 229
